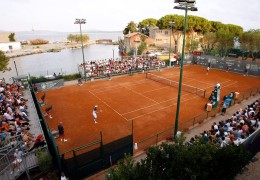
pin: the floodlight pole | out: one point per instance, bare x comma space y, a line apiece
113, 53
171, 24
82, 21
15, 68
186, 7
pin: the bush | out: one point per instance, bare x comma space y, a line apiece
179, 161
3, 61
40, 79
71, 77
44, 160
37, 79
39, 41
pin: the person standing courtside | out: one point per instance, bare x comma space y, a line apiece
61, 132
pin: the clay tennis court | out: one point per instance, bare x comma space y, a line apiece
149, 104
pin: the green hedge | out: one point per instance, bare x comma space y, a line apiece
71, 77
41, 79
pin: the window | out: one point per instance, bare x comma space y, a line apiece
165, 41
166, 32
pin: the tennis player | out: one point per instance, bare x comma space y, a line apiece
207, 70
94, 113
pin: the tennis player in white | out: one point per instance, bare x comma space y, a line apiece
95, 113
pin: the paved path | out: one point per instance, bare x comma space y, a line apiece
35, 127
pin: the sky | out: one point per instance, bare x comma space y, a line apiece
114, 15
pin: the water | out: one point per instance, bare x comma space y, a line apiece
61, 36
65, 61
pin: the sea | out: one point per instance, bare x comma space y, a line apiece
62, 36
66, 61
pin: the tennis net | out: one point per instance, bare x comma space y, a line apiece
185, 87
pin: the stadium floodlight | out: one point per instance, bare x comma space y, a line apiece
194, 9
185, 1
184, 5
82, 21
171, 23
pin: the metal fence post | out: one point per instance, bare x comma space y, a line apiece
75, 169
101, 149
132, 136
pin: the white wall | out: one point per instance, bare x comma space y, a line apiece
6, 46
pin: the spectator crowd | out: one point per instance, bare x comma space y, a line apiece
14, 119
119, 66
233, 130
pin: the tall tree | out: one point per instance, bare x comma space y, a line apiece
3, 61
225, 41
208, 42
145, 24
11, 37
142, 48
250, 43
250, 40
163, 23
234, 29
198, 24
130, 28
216, 26
77, 38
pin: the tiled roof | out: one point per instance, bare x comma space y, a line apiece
132, 34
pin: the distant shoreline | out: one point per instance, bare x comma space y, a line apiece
53, 36
45, 48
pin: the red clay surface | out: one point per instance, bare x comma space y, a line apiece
151, 105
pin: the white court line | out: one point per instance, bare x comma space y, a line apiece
221, 83
188, 73
159, 109
153, 104
156, 89
106, 89
116, 86
229, 84
198, 81
142, 95
235, 82
107, 105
